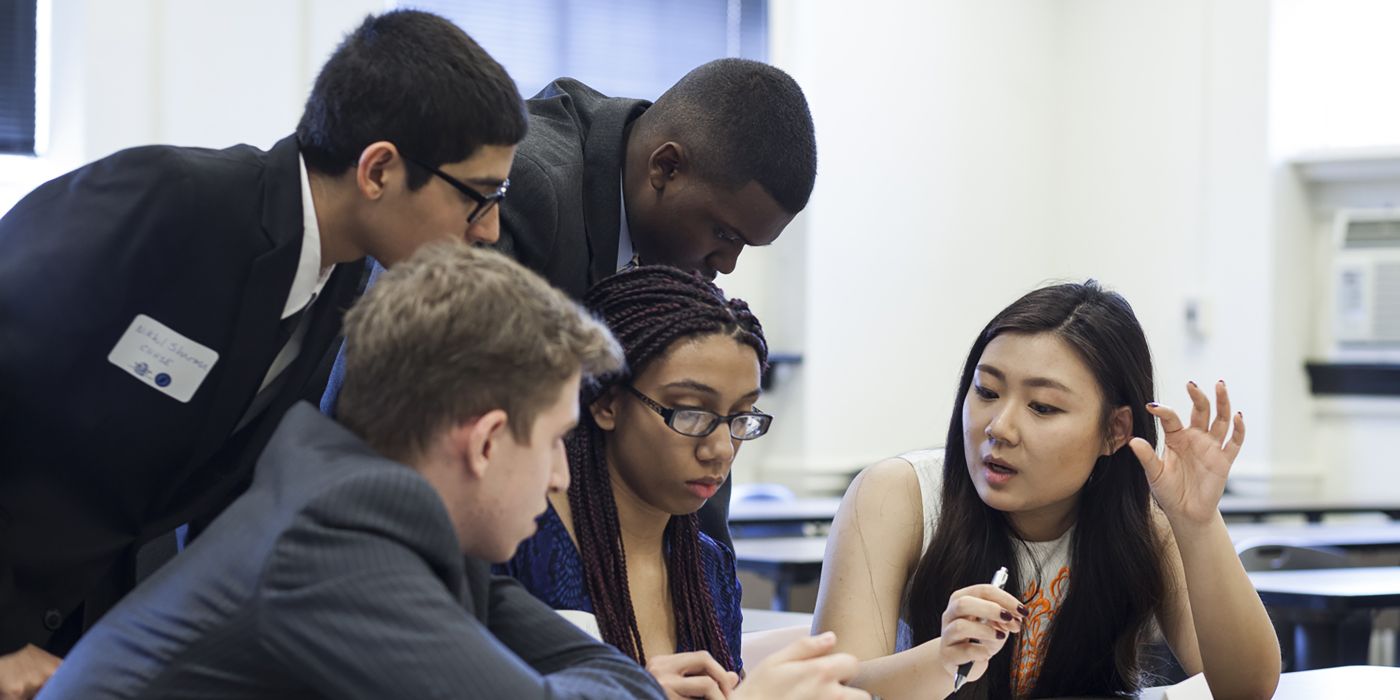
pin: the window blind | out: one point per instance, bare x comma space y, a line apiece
626, 48
17, 42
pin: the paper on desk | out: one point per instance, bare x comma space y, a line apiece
1193, 688
585, 621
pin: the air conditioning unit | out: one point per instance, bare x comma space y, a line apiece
1366, 285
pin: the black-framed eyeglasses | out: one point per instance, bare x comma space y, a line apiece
483, 202
696, 422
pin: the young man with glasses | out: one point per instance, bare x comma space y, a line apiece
161, 308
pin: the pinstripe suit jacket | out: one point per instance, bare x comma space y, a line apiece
338, 574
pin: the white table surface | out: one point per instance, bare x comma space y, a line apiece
797, 511
1246, 535
807, 550
1335, 583
756, 620
780, 550
1340, 683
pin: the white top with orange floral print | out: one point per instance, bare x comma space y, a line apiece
1043, 566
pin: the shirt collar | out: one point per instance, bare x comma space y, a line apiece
310, 277
624, 234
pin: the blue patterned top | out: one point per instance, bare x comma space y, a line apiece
549, 566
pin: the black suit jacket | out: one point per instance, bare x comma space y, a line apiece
565, 205
338, 574
92, 461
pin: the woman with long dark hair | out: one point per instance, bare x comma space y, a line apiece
1050, 470
653, 444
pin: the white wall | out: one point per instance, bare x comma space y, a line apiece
932, 172
187, 72
972, 151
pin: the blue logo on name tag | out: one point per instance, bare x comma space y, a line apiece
162, 379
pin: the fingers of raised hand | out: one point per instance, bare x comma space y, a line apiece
1147, 456
1200, 406
1171, 423
1220, 427
1232, 448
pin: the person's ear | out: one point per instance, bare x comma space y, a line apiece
478, 441
1120, 430
379, 162
604, 409
665, 163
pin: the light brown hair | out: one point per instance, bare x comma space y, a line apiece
454, 332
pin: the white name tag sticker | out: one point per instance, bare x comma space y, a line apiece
165, 360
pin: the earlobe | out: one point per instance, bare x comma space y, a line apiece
375, 162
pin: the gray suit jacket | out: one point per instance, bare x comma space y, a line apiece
338, 574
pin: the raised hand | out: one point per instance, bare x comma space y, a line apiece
1189, 478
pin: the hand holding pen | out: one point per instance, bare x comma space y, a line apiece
975, 627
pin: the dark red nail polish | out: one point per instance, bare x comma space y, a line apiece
974, 641
1022, 609
1001, 634
1006, 616
1154, 404
1192, 384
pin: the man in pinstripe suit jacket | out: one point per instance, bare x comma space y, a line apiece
340, 573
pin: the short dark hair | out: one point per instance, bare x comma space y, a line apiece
416, 80
744, 121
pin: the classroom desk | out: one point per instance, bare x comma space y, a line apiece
786, 561
765, 518
1340, 683
1331, 609
1246, 535
1259, 508
756, 620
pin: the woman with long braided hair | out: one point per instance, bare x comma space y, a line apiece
654, 442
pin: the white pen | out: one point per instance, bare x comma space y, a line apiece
998, 580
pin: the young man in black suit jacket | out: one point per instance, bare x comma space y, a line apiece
161, 308
723, 160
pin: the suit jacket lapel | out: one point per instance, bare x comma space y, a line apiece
476, 589
269, 279
604, 147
